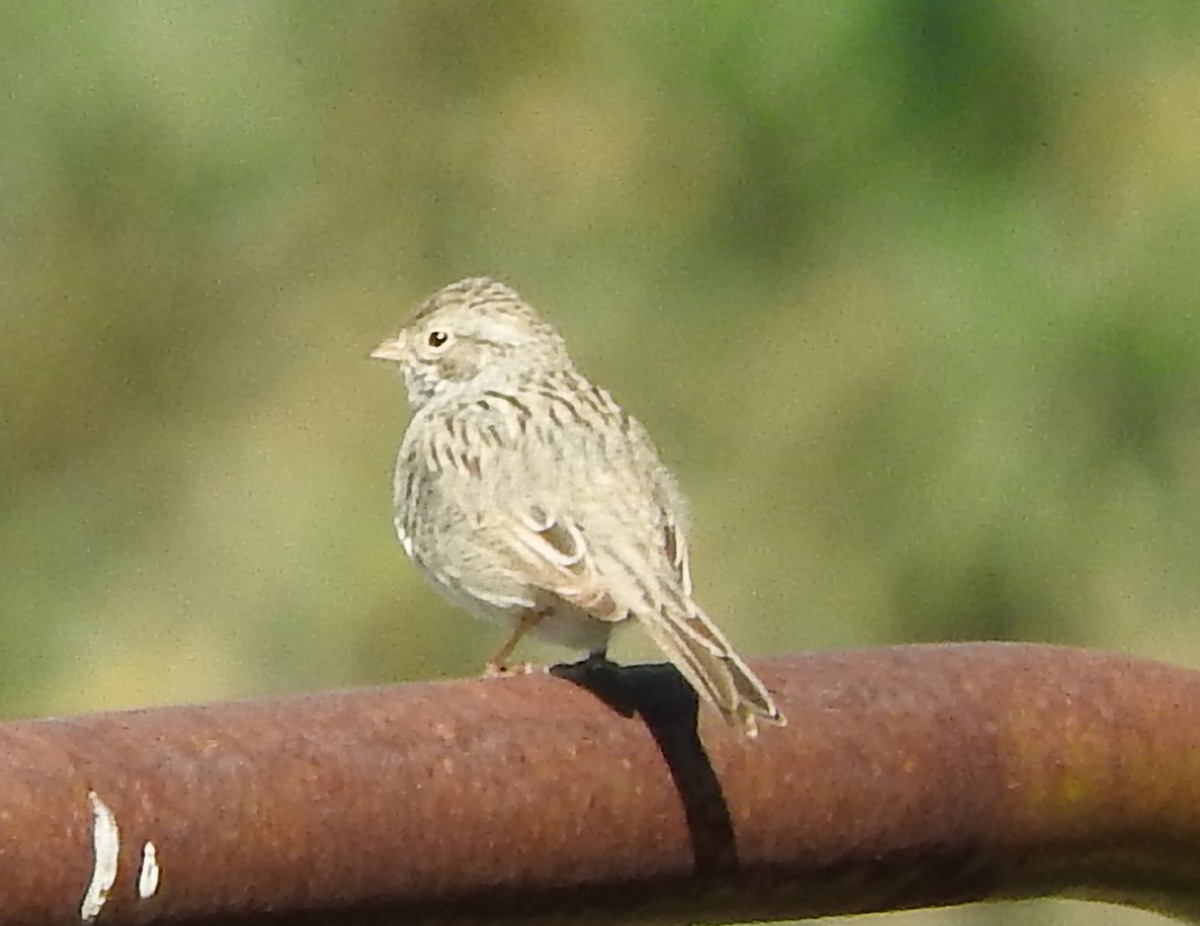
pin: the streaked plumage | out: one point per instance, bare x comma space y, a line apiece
529, 497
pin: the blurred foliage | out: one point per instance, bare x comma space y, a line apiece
906, 289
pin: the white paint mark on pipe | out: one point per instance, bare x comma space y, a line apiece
106, 847
150, 873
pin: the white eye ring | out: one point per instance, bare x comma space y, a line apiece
438, 339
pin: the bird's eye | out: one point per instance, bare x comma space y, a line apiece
438, 338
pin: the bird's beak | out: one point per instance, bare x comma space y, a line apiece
392, 349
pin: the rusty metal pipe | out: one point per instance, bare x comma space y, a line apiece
911, 776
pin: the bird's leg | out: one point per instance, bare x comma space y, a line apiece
497, 664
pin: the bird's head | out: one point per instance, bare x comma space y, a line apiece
476, 333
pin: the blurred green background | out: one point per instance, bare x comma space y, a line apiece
906, 291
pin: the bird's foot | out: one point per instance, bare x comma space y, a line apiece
503, 670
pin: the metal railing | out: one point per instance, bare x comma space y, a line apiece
910, 776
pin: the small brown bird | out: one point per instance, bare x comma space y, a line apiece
530, 498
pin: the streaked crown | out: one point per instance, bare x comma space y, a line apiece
475, 333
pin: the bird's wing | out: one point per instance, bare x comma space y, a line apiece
676, 547
553, 553
549, 543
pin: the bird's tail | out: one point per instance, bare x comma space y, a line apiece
706, 659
